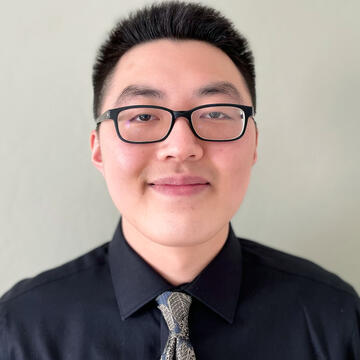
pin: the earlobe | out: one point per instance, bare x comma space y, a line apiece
255, 157
256, 144
96, 156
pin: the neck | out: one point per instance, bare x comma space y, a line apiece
176, 264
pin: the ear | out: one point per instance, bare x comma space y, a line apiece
256, 144
96, 156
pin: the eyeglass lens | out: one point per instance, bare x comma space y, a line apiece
152, 124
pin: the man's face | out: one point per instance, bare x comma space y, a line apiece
183, 215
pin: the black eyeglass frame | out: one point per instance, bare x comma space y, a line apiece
112, 114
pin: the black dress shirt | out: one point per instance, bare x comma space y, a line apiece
250, 303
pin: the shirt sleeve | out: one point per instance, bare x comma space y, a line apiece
354, 348
4, 351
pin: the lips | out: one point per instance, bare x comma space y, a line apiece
179, 185
180, 180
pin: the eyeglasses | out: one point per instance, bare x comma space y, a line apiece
141, 124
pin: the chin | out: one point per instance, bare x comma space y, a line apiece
182, 233
178, 240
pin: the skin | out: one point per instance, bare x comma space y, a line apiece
176, 235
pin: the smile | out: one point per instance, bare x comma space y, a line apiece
179, 190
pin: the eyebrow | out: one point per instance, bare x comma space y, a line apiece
220, 87
214, 88
132, 91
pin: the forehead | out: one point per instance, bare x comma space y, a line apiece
177, 69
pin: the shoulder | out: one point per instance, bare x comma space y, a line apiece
301, 293
38, 309
294, 282
56, 280
294, 267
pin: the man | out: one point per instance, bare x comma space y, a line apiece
176, 139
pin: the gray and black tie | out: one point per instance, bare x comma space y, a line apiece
174, 307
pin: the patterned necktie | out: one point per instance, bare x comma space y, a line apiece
174, 307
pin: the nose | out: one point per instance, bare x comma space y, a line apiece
181, 144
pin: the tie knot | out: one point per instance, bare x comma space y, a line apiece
174, 307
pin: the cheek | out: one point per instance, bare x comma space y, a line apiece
234, 163
120, 159
124, 170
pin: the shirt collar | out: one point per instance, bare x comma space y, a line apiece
136, 283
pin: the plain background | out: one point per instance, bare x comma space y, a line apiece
304, 195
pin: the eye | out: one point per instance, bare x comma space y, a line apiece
216, 115
142, 117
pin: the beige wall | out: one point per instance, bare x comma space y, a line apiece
304, 196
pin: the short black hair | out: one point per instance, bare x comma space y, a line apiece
175, 20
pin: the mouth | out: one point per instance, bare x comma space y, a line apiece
179, 190
180, 185
180, 180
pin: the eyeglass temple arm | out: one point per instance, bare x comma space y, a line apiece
102, 117
253, 116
